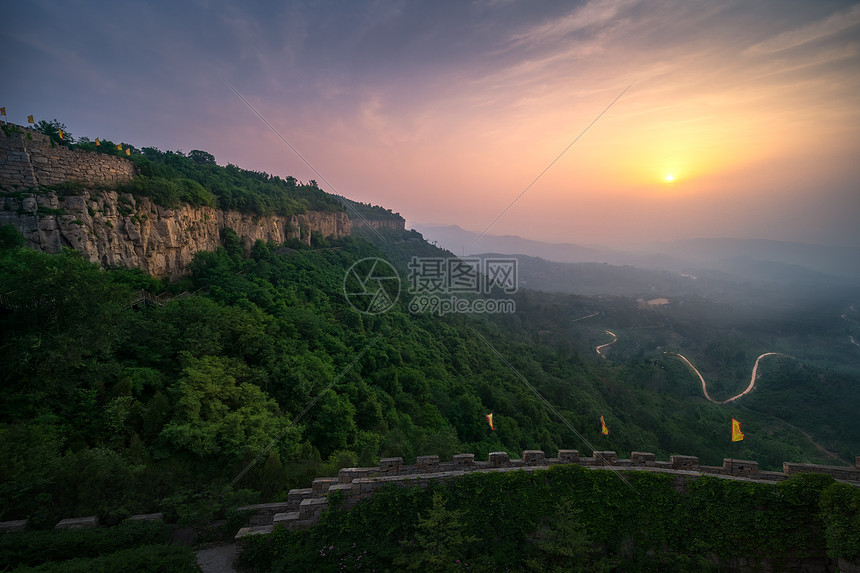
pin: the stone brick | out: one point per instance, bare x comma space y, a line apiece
462, 461
428, 463
643, 458
568, 456
147, 517
12, 526
321, 485
740, 467
78, 523
605, 456
258, 530
390, 465
533, 457
499, 459
689, 463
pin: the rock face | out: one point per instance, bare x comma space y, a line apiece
120, 230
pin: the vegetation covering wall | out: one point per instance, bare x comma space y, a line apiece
569, 518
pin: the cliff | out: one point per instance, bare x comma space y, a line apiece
116, 229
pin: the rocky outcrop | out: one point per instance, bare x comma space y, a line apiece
116, 229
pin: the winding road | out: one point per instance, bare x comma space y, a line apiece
602, 346
733, 398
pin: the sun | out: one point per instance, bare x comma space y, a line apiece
669, 178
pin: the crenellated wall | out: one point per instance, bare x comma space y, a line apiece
304, 507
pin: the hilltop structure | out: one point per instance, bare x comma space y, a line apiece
121, 230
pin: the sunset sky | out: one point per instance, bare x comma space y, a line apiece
446, 111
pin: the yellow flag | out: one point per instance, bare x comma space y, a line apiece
603, 429
119, 146
2, 111
490, 421
98, 142
30, 119
737, 435
61, 133
128, 151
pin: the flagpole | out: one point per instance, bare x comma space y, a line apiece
732, 466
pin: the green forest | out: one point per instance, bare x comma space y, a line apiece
173, 400
113, 405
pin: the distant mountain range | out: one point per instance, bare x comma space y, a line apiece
746, 259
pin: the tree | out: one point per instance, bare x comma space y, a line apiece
52, 129
440, 543
218, 414
10, 238
563, 544
201, 157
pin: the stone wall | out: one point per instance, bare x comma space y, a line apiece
304, 507
29, 159
117, 229
398, 224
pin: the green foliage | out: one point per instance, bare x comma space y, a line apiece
438, 543
567, 518
840, 511
144, 559
171, 178
562, 543
161, 407
37, 547
52, 129
10, 238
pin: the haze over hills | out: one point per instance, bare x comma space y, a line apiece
750, 259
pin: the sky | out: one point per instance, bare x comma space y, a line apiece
735, 118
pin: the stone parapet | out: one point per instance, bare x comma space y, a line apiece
837, 472
305, 506
78, 523
684, 462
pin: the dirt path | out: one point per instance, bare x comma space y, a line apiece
217, 559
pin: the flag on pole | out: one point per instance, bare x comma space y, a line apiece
30, 119
98, 142
127, 151
737, 435
61, 133
2, 111
603, 429
490, 421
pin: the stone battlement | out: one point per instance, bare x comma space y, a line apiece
304, 507
29, 159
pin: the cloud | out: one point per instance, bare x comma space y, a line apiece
808, 33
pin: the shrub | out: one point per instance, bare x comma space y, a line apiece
144, 559
37, 547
